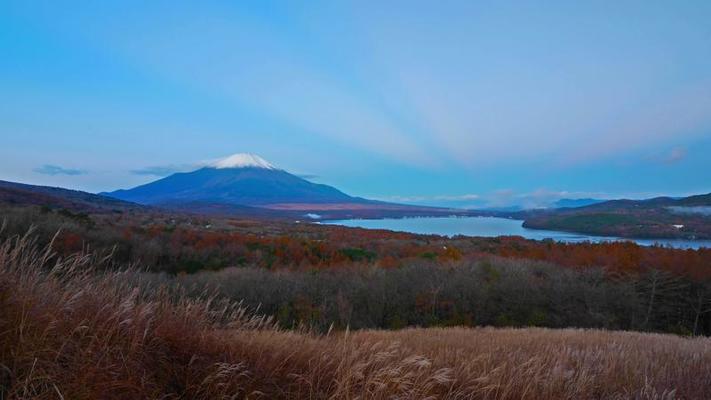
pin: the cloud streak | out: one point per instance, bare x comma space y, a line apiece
675, 155
463, 197
308, 177
504, 198
163, 170
53, 170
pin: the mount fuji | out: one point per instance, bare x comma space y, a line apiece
247, 184
240, 179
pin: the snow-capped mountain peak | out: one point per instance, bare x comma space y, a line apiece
241, 180
242, 160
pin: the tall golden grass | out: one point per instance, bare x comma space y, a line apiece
68, 331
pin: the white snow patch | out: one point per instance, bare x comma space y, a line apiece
242, 160
678, 226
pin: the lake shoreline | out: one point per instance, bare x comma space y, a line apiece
491, 226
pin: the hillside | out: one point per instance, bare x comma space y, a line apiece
19, 194
76, 334
574, 203
660, 217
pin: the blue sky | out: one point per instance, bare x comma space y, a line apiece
432, 102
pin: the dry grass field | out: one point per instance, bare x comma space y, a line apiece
68, 331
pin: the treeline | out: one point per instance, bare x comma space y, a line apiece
491, 292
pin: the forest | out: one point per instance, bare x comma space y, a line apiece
327, 277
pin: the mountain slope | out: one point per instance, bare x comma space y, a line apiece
247, 180
575, 203
12, 193
255, 186
659, 217
240, 179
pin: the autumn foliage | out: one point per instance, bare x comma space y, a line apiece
70, 329
297, 246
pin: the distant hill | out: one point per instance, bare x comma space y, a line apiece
659, 217
19, 194
703, 200
575, 203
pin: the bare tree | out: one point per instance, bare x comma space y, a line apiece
700, 302
656, 286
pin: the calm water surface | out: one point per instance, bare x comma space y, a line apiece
491, 227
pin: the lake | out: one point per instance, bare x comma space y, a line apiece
492, 227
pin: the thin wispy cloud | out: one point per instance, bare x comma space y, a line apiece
670, 156
503, 198
308, 177
163, 170
49, 169
407, 199
675, 155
